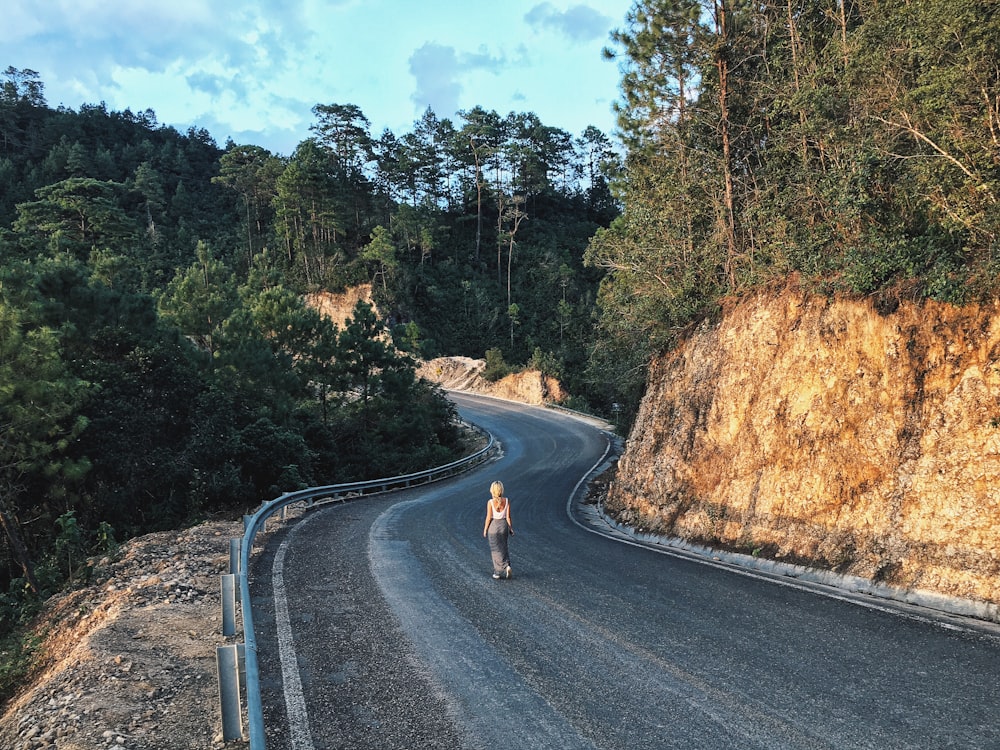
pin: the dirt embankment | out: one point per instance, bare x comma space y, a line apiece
825, 432
128, 662
466, 374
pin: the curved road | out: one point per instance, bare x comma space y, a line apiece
379, 626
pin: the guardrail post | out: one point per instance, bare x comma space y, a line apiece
234, 556
227, 664
241, 661
229, 605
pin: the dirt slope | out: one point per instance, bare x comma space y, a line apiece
129, 661
340, 307
822, 431
465, 374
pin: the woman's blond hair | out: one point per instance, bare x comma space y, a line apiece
496, 489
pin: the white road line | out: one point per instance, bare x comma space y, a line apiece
295, 702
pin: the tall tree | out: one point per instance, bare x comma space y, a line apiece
311, 218
39, 401
723, 52
657, 250
77, 214
369, 360
197, 300
482, 134
252, 172
382, 253
343, 130
20, 92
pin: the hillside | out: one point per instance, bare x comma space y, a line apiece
465, 374
128, 662
450, 373
826, 432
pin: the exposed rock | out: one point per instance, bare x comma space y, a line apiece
340, 307
466, 374
822, 431
129, 661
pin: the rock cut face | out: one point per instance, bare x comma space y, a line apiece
820, 431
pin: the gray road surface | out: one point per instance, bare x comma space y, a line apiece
390, 622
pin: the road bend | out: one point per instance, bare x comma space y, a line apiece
379, 626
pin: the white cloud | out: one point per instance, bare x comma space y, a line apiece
579, 23
436, 70
258, 67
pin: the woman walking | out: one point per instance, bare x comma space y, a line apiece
497, 529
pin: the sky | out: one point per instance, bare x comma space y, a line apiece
252, 70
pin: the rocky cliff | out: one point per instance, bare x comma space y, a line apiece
830, 433
339, 307
466, 374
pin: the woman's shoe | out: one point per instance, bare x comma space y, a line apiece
508, 572
496, 576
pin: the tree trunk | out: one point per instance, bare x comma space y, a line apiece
794, 45
729, 208
479, 198
20, 552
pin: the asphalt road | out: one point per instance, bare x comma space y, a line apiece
379, 626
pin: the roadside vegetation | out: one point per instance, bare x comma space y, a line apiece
851, 146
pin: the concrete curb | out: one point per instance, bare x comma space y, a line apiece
983, 616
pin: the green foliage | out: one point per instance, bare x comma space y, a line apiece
407, 338
18, 654
199, 299
496, 368
105, 543
849, 144
546, 363
381, 254
69, 542
76, 214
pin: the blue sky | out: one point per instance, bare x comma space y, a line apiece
252, 70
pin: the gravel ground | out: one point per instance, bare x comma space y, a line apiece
128, 662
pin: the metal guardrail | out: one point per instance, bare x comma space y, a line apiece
240, 660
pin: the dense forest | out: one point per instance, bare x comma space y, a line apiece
157, 361
851, 146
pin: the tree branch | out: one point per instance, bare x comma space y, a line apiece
918, 135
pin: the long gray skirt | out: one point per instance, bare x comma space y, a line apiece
498, 533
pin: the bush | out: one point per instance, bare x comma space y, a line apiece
495, 368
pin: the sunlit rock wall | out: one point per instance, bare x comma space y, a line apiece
466, 374
823, 432
339, 307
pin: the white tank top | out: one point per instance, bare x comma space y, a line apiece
499, 513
